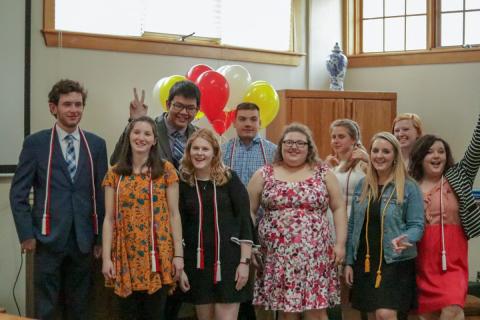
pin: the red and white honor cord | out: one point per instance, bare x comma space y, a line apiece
217, 271
46, 217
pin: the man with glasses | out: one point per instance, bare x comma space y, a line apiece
174, 128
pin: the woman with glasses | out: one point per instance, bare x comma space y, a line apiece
385, 223
299, 273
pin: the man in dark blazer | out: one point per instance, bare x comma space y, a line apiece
65, 167
174, 128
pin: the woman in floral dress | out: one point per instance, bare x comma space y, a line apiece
142, 239
300, 260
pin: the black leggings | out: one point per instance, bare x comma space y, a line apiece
143, 306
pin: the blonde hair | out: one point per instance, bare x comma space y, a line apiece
416, 121
218, 171
399, 172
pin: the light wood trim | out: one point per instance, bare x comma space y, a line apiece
337, 94
157, 46
434, 56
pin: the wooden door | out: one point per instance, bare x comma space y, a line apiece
373, 116
318, 114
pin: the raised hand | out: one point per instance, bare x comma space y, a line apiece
137, 106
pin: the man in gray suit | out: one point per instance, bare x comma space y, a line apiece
65, 167
174, 127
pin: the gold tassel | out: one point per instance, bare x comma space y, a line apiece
367, 263
378, 279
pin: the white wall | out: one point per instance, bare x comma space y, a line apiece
109, 78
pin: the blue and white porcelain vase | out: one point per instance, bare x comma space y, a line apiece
337, 68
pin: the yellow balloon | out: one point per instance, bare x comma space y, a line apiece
266, 98
199, 115
165, 87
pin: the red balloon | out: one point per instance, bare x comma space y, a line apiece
223, 121
214, 92
196, 71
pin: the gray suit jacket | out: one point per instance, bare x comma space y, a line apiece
70, 201
163, 141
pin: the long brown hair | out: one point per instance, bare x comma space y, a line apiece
218, 171
312, 154
124, 165
399, 172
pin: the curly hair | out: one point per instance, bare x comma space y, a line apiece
124, 165
66, 86
218, 171
312, 153
419, 152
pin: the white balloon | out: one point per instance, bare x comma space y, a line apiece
238, 79
220, 69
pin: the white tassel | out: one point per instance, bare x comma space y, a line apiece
444, 260
154, 261
44, 225
218, 276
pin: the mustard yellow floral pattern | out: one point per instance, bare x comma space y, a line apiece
131, 239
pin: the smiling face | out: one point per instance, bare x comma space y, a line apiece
405, 133
68, 111
295, 149
142, 137
181, 111
434, 162
201, 154
382, 155
341, 141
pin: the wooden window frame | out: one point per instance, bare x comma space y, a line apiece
68, 39
352, 41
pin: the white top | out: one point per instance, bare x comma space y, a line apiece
354, 175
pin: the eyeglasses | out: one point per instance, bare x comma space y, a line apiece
298, 143
179, 107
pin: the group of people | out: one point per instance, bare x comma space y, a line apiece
179, 217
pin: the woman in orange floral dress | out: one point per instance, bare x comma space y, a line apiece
142, 239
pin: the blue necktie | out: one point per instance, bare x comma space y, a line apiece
178, 148
70, 156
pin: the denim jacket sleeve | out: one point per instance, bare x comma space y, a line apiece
415, 221
351, 224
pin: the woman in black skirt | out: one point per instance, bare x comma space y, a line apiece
386, 221
217, 231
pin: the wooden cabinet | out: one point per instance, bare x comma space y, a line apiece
374, 112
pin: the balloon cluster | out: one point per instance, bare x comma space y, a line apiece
221, 91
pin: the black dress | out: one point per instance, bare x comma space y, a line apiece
234, 224
397, 288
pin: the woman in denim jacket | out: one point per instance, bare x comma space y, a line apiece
385, 222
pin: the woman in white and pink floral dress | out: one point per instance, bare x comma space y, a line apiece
299, 273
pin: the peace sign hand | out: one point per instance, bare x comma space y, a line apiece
137, 106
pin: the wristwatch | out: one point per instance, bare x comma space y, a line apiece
245, 261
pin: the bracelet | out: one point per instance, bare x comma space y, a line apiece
178, 257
